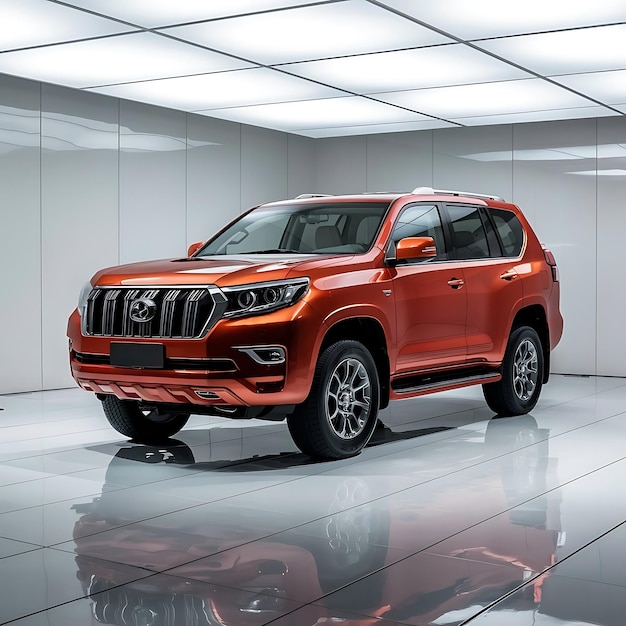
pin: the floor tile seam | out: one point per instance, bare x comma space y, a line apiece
122, 488
153, 517
168, 570
392, 622
46, 438
542, 573
28, 543
426, 549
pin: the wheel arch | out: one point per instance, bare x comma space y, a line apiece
370, 333
534, 316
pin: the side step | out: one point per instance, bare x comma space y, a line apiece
425, 383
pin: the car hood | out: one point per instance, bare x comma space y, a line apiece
217, 270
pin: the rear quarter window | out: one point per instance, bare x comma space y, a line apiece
510, 231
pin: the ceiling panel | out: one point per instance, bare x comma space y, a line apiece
331, 67
294, 116
408, 69
313, 32
26, 23
397, 127
495, 18
514, 96
151, 14
132, 57
584, 50
224, 89
534, 116
608, 87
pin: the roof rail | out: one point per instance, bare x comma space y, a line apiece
448, 192
302, 196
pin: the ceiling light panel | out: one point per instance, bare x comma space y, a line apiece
535, 116
608, 87
514, 96
310, 32
224, 89
565, 52
137, 56
25, 23
294, 116
494, 18
437, 66
151, 14
400, 127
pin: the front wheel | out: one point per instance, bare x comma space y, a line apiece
518, 391
339, 416
127, 417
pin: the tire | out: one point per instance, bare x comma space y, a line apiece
340, 414
518, 391
143, 426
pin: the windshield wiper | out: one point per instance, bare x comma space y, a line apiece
275, 251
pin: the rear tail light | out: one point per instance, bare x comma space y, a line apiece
551, 261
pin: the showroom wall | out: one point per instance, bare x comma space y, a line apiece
88, 181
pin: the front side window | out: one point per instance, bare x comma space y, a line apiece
421, 220
342, 228
469, 238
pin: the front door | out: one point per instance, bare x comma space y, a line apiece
430, 298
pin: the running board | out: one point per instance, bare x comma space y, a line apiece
433, 382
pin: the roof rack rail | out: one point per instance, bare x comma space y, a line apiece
303, 196
449, 192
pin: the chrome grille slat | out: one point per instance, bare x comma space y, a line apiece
185, 312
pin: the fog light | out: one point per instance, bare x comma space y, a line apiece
265, 355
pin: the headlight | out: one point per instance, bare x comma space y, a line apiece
263, 297
82, 298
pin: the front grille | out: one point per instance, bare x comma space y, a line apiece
169, 312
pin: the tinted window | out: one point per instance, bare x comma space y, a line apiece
421, 220
510, 231
468, 233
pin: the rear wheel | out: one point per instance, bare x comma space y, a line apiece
339, 416
127, 417
518, 391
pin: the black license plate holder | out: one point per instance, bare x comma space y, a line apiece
138, 355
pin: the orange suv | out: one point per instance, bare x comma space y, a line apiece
322, 309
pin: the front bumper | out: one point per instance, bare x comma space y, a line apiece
217, 370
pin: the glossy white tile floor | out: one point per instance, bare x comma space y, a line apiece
448, 517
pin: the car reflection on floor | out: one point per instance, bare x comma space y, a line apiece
224, 569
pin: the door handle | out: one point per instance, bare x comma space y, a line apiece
456, 283
509, 275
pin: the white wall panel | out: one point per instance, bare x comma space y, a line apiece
399, 161
611, 252
152, 182
213, 175
561, 206
79, 210
474, 159
20, 236
263, 166
341, 165
300, 165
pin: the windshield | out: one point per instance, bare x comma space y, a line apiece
342, 228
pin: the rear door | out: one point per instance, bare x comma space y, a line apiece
493, 284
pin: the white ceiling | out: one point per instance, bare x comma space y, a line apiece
332, 67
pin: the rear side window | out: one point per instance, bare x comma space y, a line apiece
510, 231
469, 238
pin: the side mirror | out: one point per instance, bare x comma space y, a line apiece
194, 247
411, 248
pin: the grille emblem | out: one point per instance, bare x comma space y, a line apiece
142, 310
